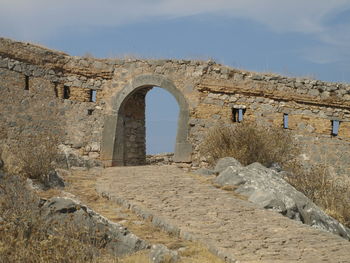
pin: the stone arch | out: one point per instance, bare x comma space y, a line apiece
113, 137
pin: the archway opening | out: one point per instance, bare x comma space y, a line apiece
124, 133
162, 111
150, 117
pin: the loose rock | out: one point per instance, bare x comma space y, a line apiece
161, 254
53, 179
225, 162
115, 238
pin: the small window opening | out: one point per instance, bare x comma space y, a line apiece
285, 120
335, 127
237, 114
26, 84
90, 111
55, 89
93, 94
66, 92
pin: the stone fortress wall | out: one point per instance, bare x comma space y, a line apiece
103, 102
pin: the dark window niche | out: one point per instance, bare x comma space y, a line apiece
66, 92
237, 114
90, 111
26, 82
55, 89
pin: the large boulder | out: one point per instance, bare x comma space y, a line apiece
225, 162
264, 187
114, 237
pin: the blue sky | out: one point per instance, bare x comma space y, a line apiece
295, 38
161, 124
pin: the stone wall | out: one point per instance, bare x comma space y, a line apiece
310, 119
23, 83
134, 128
208, 94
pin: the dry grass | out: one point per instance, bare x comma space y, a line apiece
330, 192
28, 237
194, 253
33, 126
198, 254
249, 143
37, 154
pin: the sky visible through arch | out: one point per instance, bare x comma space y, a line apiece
162, 111
291, 37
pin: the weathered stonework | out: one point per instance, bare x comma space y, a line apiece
134, 128
112, 128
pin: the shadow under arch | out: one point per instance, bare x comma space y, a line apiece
113, 137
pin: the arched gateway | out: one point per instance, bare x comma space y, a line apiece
123, 138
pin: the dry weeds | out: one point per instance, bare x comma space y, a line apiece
33, 126
249, 143
195, 253
330, 192
27, 237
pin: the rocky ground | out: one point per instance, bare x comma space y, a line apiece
161, 214
80, 186
189, 205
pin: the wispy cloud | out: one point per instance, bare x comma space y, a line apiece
39, 19
296, 15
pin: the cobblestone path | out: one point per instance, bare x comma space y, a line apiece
232, 228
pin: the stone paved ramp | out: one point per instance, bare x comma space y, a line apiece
232, 228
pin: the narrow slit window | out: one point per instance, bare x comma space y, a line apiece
93, 94
234, 115
335, 127
66, 92
26, 82
55, 89
90, 111
285, 120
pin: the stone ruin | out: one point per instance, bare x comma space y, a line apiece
103, 103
